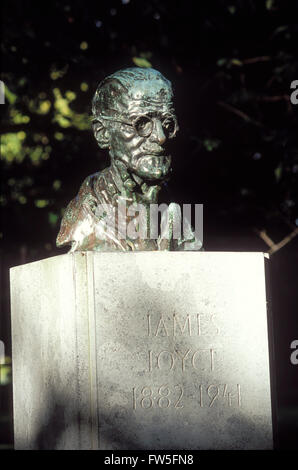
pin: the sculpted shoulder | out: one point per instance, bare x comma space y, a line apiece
80, 212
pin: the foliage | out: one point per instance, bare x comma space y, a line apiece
5, 372
231, 64
232, 67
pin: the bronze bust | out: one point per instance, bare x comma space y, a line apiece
133, 116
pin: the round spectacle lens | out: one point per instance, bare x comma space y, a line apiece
169, 127
144, 126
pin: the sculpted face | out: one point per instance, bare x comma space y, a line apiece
140, 128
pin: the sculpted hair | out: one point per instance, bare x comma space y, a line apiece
121, 82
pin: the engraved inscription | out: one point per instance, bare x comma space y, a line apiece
190, 359
206, 396
216, 392
185, 359
199, 324
165, 397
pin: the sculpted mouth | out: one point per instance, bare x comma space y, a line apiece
158, 152
155, 158
153, 166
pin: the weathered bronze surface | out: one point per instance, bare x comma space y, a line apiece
133, 116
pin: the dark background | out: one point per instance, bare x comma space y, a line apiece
231, 64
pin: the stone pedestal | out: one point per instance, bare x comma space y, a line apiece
141, 350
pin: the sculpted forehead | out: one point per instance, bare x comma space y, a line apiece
145, 96
130, 107
150, 89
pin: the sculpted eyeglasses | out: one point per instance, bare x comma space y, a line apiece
143, 125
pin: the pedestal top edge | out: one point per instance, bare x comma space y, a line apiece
147, 254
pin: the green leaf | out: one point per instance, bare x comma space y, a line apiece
5, 371
141, 62
280, 29
211, 144
9, 95
41, 203
221, 62
236, 62
269, 4
53, 218
278, 172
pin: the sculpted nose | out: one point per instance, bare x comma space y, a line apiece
158, 134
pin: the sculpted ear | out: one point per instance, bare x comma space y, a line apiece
101, 134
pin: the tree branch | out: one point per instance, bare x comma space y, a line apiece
239, 113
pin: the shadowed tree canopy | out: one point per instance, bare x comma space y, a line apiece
231, 65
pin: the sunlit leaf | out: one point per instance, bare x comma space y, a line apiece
22, 199
221, 62
269, 4
236, 62
57, 184
17, 117
64, 115
70, 95
55, 73
44, 107
11, 148
53, 218
84, 45
141, 62
84, 86
41, 203
211, 144
59, 136
5, 373
9, 95
278, 172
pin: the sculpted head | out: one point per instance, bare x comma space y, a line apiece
133, 116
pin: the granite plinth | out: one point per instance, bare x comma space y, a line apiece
146, 350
